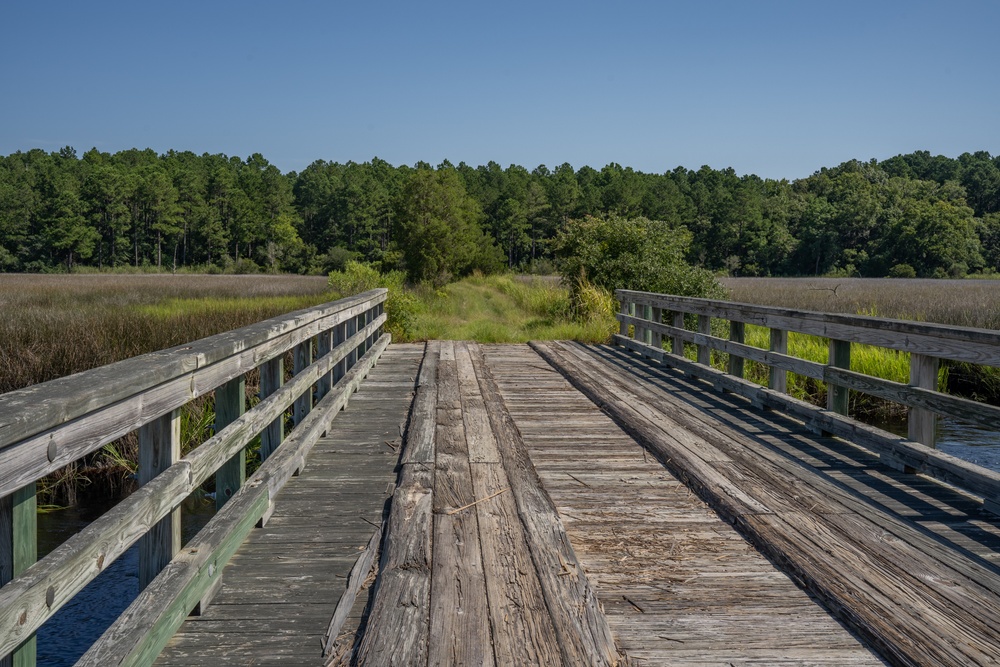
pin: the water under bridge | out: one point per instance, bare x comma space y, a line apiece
553, 503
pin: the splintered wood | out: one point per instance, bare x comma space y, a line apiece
505, 585
679, 586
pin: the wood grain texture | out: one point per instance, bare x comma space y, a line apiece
978, 346
159, 448
871, 563
663, 565
581, 628
897, 450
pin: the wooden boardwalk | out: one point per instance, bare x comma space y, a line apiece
279, 590
558, 504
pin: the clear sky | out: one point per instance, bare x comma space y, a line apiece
776, 88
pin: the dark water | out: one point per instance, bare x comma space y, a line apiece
77, 625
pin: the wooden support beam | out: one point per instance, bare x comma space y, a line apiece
837, 397
272, 377
921, 423
18, 551
352, 356
230, 403
339, 336
324, 346
704, 351
657, 339
623, 327
677, 343
159, 448
647, 334
737, 334
302, 358
778, 378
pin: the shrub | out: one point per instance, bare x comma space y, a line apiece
902, 271
401, 305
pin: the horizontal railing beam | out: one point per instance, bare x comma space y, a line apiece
49, 450
978, 346
34, 596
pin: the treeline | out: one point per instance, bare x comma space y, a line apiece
913, 214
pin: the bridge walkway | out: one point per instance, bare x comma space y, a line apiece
573, 505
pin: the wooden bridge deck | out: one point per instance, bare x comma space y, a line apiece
571, 505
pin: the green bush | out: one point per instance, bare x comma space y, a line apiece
400, 306
902, 271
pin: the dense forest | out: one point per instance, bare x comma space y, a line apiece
913, 214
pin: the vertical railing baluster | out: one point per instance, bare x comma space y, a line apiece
677, 343
339, 336
921, 423
704, 351
623, 325
18, 552
272, 376
656, 339
837, 397
737, 334
230, 403
159, 448
777, 377
326, 381
301, 359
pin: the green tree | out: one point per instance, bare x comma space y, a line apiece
438, 228
631, 253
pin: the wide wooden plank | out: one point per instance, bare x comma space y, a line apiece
582, 630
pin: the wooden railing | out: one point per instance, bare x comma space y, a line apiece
927, 344
47, 426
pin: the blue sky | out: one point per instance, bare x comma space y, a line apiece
776, 88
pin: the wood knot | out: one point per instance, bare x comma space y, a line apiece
23, 618
50, 596
100, 562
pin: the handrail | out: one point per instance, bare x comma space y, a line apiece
646, 314
62, 420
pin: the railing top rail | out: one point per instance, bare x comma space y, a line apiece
980, 346
35, 409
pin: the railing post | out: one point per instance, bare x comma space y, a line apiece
326, 381
352, 356
837, 397
272, 376
230, 402
302, 358
18, 551
159, 448
677, 343
623, 325
339, 336
737, 335
704, 351
921, 423
647, 333
657, 337
778, 378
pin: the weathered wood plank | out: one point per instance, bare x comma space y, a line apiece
521, 627
230, 404
18, 552
272, 377
921, 422
159, 448
582, 630
897, 450
838, 397
359, 573
871, 570
978, 346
